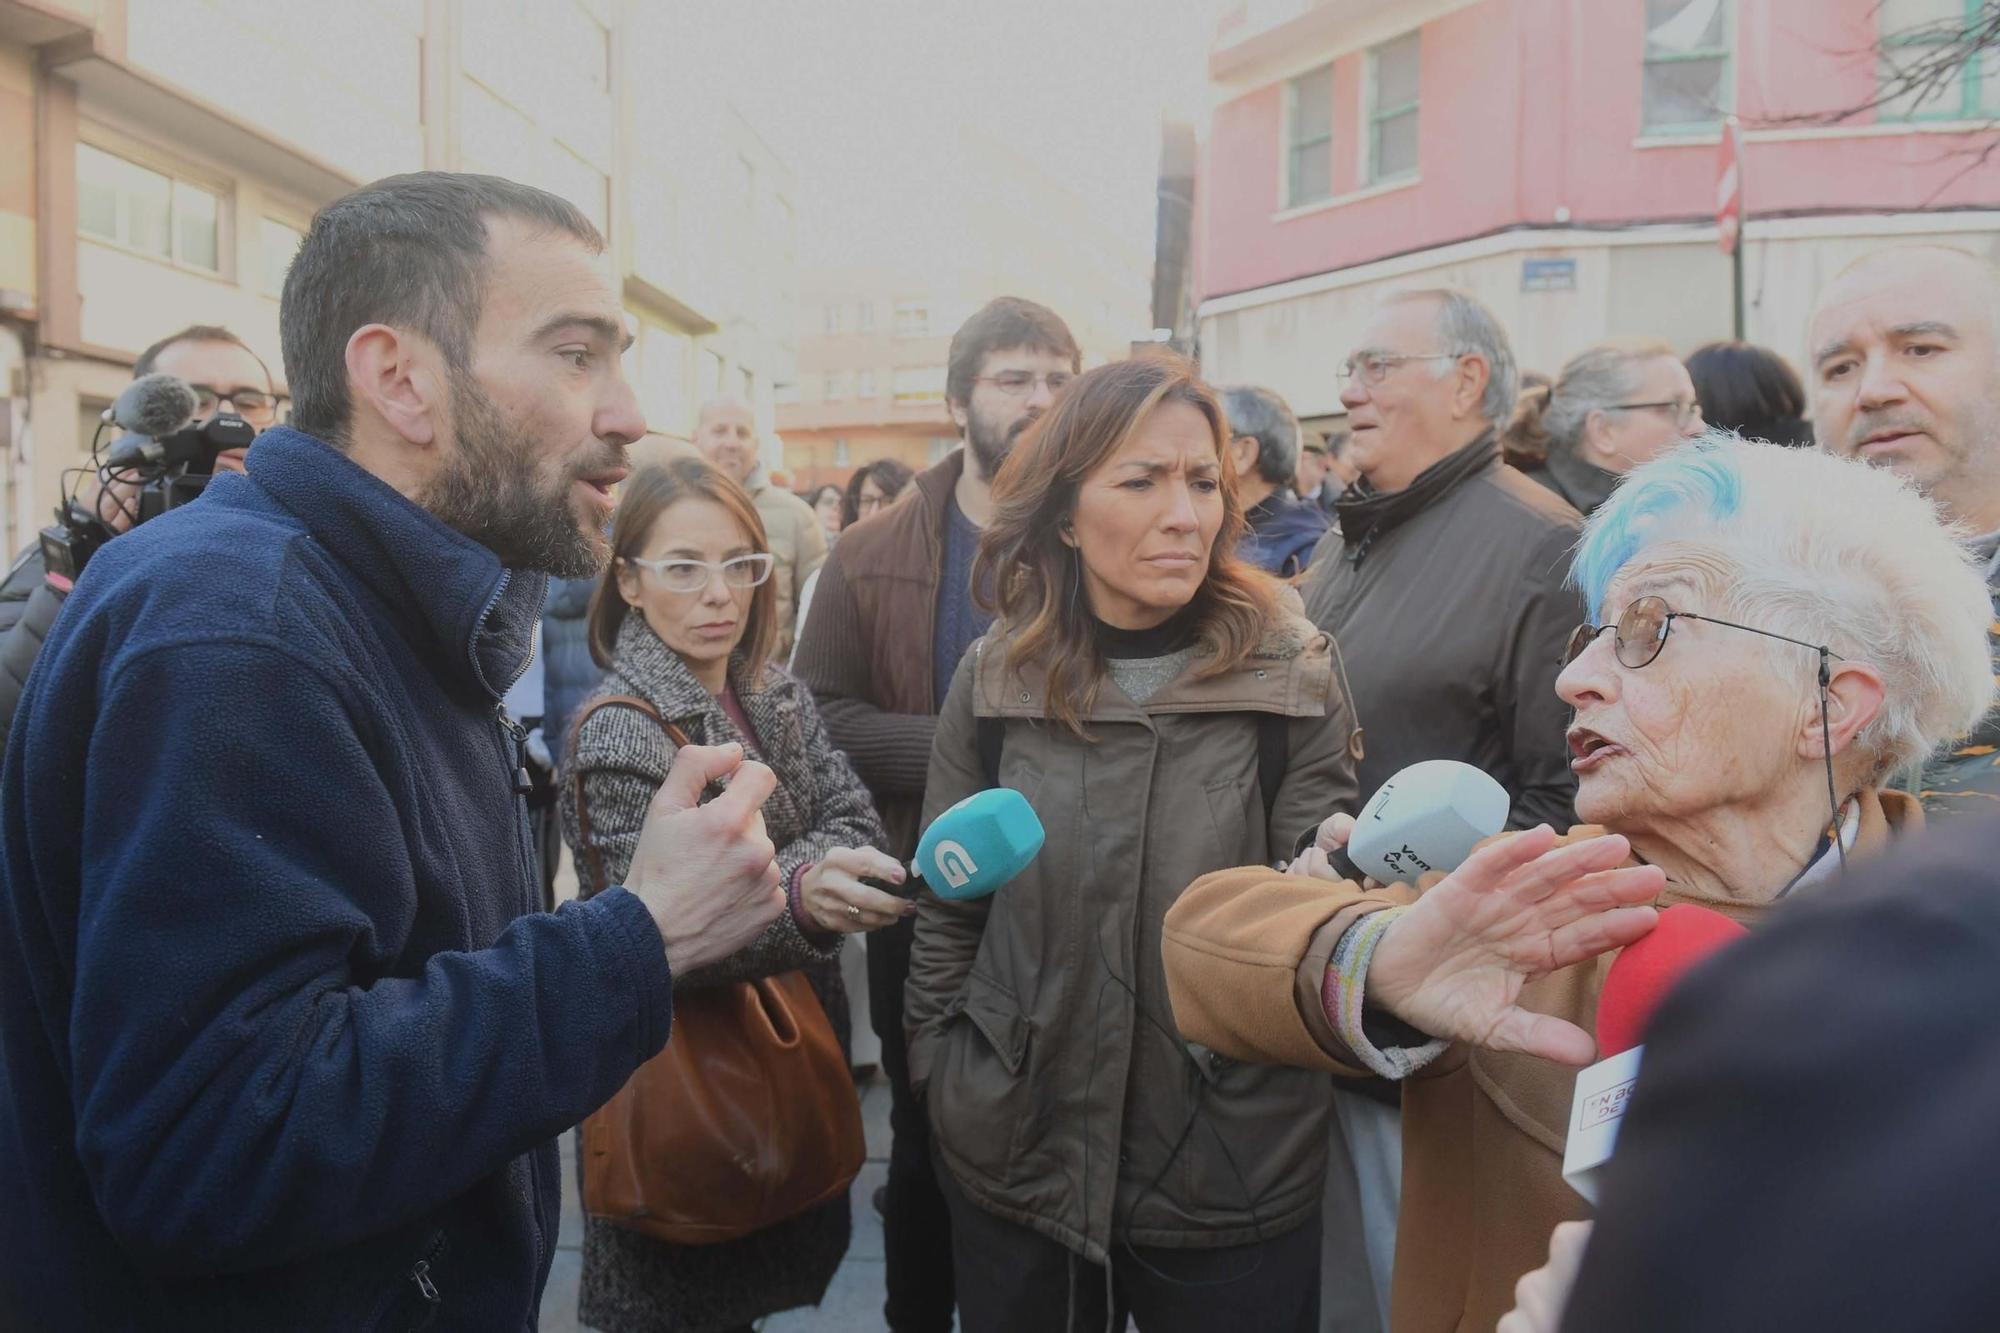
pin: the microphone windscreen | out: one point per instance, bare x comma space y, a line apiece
1427, 817
155, 404
979, 844
1646, 969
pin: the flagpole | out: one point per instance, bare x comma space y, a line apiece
1731, 215
1736, 274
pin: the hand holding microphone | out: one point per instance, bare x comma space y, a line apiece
839, 901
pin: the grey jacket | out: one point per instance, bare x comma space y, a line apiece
1061, 1096
624, 756
1449, 600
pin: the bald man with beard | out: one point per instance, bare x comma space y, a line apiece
726, 435
1905, 347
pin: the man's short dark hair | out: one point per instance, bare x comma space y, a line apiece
199, 333
410, 252
1004, 323
1261, 415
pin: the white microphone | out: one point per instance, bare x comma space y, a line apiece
1428, 817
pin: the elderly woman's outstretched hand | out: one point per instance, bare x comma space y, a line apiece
1454, 963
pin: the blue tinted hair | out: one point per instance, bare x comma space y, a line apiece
1695, 485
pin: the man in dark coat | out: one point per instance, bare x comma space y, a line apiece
1444, 582
283, 1042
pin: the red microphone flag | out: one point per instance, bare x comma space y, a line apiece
1647, 969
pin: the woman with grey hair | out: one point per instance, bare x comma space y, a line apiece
1616, 406
1775, 631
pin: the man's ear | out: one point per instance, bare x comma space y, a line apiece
395, 377
1243, 454
958, 415
1468, 388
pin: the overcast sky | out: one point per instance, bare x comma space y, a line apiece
861, 97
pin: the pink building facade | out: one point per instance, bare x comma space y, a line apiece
1559, 159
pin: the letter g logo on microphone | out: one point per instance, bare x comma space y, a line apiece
955, 864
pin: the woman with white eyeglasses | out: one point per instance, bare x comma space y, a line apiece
684, 621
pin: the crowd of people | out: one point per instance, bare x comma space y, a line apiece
291, 1026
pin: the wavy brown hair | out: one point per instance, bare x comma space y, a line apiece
650, 492
1036, 572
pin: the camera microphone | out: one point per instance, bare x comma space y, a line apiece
151, 406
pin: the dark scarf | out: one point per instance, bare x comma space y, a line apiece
1366, 513
1579, 481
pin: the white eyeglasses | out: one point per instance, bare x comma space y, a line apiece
745, 571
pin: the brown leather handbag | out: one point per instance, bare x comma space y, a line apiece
745, 1118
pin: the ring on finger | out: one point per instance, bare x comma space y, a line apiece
854, 911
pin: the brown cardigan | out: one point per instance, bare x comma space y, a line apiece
1483, 1132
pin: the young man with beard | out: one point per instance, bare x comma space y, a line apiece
893, 614
284, 1041
1906, 374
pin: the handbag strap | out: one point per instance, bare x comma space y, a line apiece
591, 851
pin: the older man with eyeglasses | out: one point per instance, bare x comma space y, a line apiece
1443, 583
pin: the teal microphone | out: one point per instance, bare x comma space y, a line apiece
979, 844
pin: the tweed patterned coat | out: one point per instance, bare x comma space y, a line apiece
632, 1284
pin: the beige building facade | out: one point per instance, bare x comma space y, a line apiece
164, 158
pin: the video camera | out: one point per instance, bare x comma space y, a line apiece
165, 451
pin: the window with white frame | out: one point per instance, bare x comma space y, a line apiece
913, 319
915, 385
1392, 109
840, 453
836, 386
864, 316
1919, 78
864, 384
1309, 137
146, 211
1687, 82
277, 242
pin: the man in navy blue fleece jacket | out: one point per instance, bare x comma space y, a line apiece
283, 1043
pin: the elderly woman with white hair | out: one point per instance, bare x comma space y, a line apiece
1775, 632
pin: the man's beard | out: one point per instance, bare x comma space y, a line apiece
991, 442
491, 490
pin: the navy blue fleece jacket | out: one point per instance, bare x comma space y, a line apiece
283, 1043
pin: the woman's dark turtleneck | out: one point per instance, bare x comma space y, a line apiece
1176, 632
